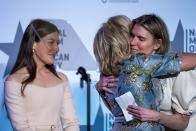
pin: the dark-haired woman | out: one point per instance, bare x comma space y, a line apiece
37, 97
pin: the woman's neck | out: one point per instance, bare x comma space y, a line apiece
41, 69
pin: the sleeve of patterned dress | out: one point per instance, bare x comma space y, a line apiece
161, 65
184, 96
15, 106
68, 114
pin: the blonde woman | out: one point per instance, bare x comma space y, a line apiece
135, 72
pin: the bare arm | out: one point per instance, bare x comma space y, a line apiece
176, 121
188, 61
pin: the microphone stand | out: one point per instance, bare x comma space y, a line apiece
86, 77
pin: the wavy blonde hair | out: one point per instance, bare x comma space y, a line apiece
111, 46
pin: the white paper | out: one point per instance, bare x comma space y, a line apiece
125, 100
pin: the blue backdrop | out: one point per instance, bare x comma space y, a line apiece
78, 22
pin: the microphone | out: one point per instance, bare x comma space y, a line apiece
84, 76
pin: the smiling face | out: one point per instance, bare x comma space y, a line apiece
142, 41
46, 49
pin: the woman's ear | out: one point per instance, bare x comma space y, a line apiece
34, 47
157, 44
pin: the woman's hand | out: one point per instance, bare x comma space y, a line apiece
107, 82
143, 114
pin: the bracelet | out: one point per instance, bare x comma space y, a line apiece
101, 92
105, 98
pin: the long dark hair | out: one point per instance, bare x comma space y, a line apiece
36, 30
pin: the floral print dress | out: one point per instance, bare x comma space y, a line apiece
137, 74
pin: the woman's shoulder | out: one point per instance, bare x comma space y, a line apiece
13, 81
135, 58
63, 76
18, 76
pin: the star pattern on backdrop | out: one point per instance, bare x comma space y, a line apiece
11, 49
177, 45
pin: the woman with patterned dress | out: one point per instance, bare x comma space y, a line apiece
135, 72
177, 95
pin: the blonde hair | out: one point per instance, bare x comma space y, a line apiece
111, 46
